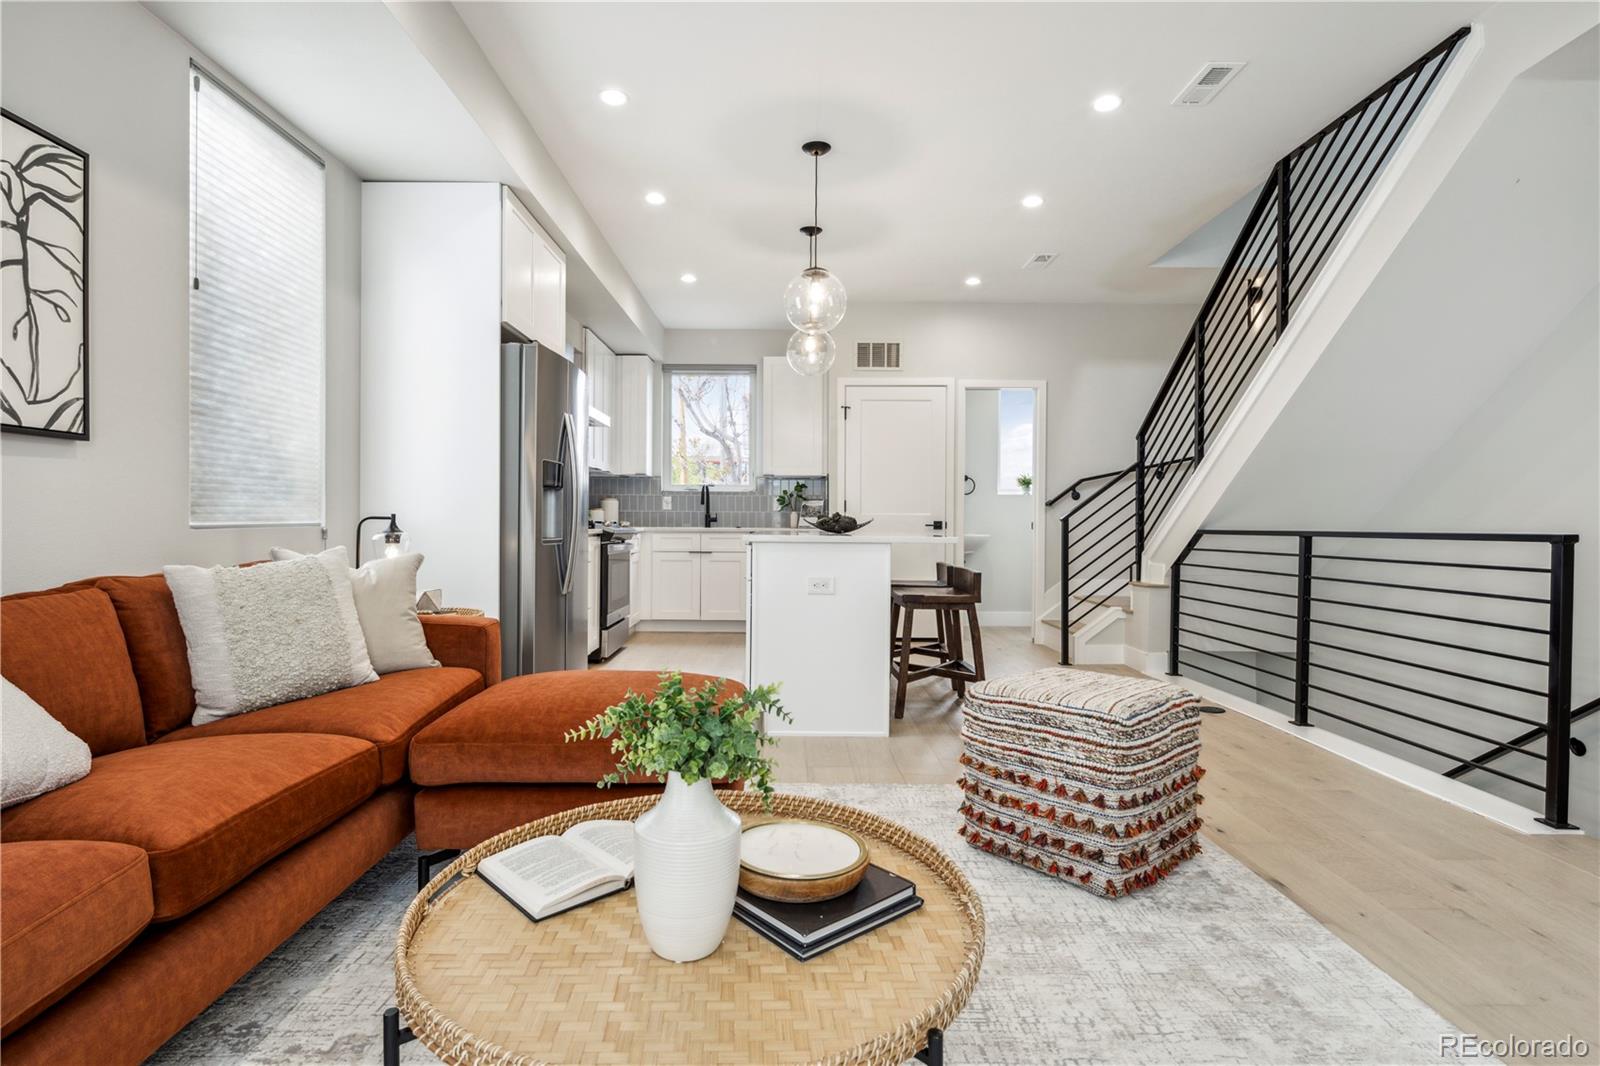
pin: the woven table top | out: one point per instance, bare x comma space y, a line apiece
480, 983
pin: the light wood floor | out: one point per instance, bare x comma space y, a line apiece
1497, 931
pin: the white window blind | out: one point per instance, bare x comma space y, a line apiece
256, 322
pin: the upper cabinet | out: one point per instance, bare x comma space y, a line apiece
794, 422
533, 277
633, 421
599, 363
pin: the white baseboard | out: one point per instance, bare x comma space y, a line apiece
686, 625
1453, 792
1146, 662
1099, 655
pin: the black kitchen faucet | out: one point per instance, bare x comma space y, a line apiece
705, 502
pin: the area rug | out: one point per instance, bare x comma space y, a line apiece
1212, 965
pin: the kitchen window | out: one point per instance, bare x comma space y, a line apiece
710, 423
1016, 441
256, 323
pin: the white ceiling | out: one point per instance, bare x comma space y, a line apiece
942, 117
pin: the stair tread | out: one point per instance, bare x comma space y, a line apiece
1123, 602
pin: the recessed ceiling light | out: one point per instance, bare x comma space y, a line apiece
613, 97
1033, 199
688, 279
1107, 102
973, 281
655, 199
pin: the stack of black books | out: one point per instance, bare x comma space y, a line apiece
806, 930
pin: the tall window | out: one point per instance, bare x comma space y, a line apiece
256, 241
1016, 440
709, 420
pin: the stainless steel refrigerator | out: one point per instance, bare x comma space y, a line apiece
544, 499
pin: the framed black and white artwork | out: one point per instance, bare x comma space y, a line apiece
44, 282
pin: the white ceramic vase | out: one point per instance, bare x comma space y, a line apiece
685, 870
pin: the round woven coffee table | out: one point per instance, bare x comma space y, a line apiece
479, 983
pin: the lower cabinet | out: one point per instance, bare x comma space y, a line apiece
593, 592
696, 577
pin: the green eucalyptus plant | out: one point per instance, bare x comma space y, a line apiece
692, 732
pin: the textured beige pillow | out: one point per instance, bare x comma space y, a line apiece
386, 601
37, 753
259, 636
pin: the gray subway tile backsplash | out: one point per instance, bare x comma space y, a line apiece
639, 501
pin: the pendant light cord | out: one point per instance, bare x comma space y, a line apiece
816, 184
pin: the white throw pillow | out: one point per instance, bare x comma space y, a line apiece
386, 602
37, 753
263, 635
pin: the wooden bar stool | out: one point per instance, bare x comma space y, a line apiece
931, 646
961, 596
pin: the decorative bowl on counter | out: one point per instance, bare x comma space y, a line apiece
797, 861
838, 524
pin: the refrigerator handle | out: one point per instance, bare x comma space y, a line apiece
569, 498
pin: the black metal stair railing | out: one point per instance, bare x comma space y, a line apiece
1304, 207
1416, 639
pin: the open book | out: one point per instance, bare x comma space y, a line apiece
547, 875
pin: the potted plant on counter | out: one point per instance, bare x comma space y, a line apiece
1025, 483
793, 500
686, 847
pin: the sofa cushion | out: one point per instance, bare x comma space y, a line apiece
66, 651
388, 712
150, 624
66, 908
208, 810
513, 732
464, 816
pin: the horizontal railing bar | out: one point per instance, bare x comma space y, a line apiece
1084, 480
1425, 694
1218, 673
1083, 523
1079, 561
1416, 718
1102, 601
1083, 597
1506, 747
1235, 606
1425, 747
1544, 538
1237, 588
1425, 562
1431, 588
1238, 643
1428, 614
1224, 658
1244, 551
1237, 625
1243, 570
1541, 693
1426, 640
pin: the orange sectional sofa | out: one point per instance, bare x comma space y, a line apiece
133, 898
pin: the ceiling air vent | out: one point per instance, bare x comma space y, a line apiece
1039, 261
877, 355
1208, 83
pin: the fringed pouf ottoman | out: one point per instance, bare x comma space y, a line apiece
1085, 776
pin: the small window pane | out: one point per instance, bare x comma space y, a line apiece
1016, 440
255, 319
709, 419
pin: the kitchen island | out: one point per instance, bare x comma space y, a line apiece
819, 627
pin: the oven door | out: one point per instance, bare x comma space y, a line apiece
614, 582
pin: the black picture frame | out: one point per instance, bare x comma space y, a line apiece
59, 298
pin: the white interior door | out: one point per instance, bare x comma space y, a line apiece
897, 468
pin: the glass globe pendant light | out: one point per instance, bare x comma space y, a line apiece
810, 354
814, 302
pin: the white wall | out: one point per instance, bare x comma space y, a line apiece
1102, 364
113, 80
1006, 559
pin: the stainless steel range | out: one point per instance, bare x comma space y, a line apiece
618, 551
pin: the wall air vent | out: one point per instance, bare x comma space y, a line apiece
1208, 83
1039, 261
877, 355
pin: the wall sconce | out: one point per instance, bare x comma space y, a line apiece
391, 542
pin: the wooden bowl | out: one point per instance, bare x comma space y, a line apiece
802, 882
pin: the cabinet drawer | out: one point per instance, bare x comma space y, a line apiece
722, 542
674, 542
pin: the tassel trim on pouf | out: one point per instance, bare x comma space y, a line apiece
1111, 887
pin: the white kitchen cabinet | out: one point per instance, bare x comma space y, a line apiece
632, 436
636, 586
794, 421
600, 363
594, 593
533, 277
675, 585
722, 589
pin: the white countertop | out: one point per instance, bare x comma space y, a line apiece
776, 537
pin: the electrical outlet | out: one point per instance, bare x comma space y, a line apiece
819, 586
666, 503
